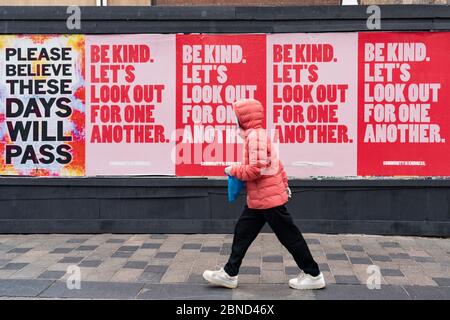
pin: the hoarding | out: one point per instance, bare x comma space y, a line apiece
337, 104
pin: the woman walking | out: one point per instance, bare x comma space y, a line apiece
267, 194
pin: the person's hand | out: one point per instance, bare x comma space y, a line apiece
228, 170
289, 193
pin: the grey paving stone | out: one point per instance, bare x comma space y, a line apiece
423, 259
14, 266
49, 274
150, 277
292, 270
428, 292
392, 273
443, 282
324, 267
193, 246
19, 250
210, 249
94, 290
346, 279
361, 292
151, 246
70, 260
128, 248
3, 262
249, 270
90, 263
4, 247
115, 241
22, 287
61, 250
273, 258
336, 256
355, 248
270, 292
77, 240
86, 248
360, 260
156, 268
312, 241
381, 258
389, 244
159, 236
196, 278
225, 251
399, 256
252, 255
135, 264
122, 254
165, 255
184, 291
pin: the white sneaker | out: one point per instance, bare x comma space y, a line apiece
220, 278
305, 281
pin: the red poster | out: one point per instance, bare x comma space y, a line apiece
404, 101
213, 71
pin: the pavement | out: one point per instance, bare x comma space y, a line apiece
160, 266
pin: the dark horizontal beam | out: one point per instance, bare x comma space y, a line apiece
140, 181
77, 226
224, 12
220, 19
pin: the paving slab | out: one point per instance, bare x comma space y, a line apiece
361, 292
14, 266
23, 287
443, 282
90, 263
270, 292
184, 291
52, 275
428, 292
94, 290
346, 279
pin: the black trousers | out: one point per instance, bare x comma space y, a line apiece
250, 224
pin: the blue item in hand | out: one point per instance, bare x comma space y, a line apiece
234, 188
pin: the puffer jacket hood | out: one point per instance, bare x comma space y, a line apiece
250, 113
261, 169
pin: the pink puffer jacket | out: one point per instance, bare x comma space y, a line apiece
261, 168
